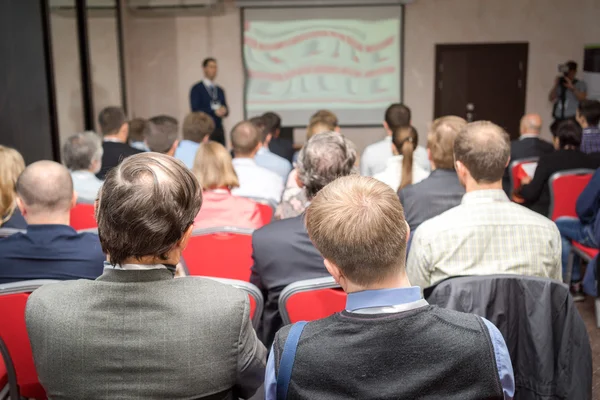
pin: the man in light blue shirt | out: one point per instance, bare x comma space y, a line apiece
82, 155
197, 128
264, 158
400, 346
255, 181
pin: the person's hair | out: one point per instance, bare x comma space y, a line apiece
138, 129
145, 206
197, 125
569, 133
406, 141
208, 60
317, 127
162, 134
46, 187
397, 116
261, 126
11, 166
244, 138
326, 118
484, 149
110, 120
358, 224
590, 110
213, 167
272, 122
324, 158
81, 150
440, 140
571, 65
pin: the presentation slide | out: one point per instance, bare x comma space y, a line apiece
344, 59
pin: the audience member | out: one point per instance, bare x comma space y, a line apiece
400, 346
50, 249
528, 145
138, 129
581, 229
162, 135
588, 116
486, 233
255, 181
400, 170
282, 250
115, 130
136, 332
197, 128
264, 158
536, 191
441, 190
327, 118
214, 170
278, 145
375, 156
82, 155
11, 166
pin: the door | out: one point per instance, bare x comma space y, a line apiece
482, 82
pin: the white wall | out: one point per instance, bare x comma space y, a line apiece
165, 53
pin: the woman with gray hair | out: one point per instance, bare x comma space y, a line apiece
82, 155
315, 167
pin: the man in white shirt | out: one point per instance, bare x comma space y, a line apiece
375, 156
255, 181
486, 233
82, 155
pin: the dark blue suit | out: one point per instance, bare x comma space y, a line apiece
200, 100
50, 252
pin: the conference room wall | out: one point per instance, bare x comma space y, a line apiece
165, 53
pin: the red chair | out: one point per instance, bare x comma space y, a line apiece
223, 252
14, 341
257, 302
267, 210
310, 300
565, 188
82, 217
515, 169
3, 380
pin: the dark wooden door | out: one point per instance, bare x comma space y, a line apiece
482, 82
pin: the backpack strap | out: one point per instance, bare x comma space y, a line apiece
286, 364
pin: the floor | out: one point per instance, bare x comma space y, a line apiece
586, 309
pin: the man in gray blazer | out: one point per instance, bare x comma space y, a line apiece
136, 332
441, 190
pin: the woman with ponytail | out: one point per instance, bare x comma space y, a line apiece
401, 171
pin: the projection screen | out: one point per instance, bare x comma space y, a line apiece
344, 59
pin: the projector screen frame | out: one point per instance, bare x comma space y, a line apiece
304, 126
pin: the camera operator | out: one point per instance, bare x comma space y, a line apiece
566, 93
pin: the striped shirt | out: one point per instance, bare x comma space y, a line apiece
485, 234
590, 141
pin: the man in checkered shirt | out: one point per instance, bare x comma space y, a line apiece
486, 233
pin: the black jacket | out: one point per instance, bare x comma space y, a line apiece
114, 153
525, 148
545, 335
282, 254
537, 193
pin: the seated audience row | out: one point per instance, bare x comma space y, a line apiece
82, 155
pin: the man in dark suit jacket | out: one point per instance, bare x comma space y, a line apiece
135, 332
528, 145
115, 129
282, 250
50, 249
209, 98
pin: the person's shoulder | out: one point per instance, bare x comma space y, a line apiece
458, 319
268, 174
198, 85
59, 293
529, 217
443, 222
206, 287
375, 147
276, 230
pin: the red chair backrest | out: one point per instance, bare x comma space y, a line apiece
315, 304
3, 374
565, 188
516, 171
82, 217
222, 254
266, 212
14, 335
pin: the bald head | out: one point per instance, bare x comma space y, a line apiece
531, 124
483, 148
245, 139
45, 187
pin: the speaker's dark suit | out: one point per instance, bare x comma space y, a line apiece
282, 254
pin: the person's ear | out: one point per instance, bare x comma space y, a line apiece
278, 132
298, 181
429, 154
183, 242
407, 231
22, 207
337, 129
171, 151
205, 139
507, 162
268, 139
461, 170
124, 131
386, 126
395, 149
335, 272
74, 199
